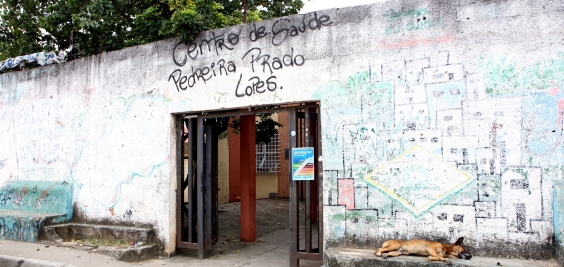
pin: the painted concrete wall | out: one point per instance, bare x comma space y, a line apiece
25, 206
440, 118
454, 129
98, 124
266, 184
559, 220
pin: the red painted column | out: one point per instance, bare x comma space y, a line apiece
248, 179
283, 135
234, 165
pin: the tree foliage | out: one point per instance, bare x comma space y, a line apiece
95, 26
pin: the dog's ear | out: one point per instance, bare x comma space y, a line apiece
459, 241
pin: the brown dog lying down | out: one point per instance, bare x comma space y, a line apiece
434, 250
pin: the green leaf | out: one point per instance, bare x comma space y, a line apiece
96, 26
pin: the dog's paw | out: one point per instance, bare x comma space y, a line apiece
384, 255
448, 261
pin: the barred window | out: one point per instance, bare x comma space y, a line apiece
268, 156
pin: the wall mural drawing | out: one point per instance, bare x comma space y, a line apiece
418, 180
434, 151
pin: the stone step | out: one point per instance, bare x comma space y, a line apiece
350, 257
135, 253
79, 231
76, 235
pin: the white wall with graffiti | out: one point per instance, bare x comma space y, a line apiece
450, 130
439, 119
438, 151
94, 123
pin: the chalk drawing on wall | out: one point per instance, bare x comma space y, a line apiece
494, 147
506, 78
418, 180
521, 189
117, 157
98, 151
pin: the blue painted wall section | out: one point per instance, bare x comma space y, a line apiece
25, 206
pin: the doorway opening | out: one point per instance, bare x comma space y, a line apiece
202, 222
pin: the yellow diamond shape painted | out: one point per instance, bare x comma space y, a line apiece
418, 180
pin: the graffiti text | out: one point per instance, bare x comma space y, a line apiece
256, 86
193, 50
283, 28
392, 15
204, 74
274, 63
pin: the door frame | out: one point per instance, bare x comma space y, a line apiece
200, 241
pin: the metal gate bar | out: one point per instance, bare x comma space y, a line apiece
214, 202
208, 178
210, 189
307, 142
200, 193
191, 181
319, 179
197, 224
294, 201
180, 178
186, 226
192, 124
305, 123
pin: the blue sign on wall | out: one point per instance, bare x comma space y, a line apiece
303, 163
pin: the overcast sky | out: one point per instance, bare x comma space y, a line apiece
313, 5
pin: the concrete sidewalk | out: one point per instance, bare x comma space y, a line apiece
267, 251
270, 249
335, 257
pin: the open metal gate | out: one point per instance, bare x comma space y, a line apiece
305, 131
197, 202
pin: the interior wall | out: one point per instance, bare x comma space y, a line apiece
266, 184
223, 170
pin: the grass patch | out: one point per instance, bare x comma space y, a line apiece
100, 241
